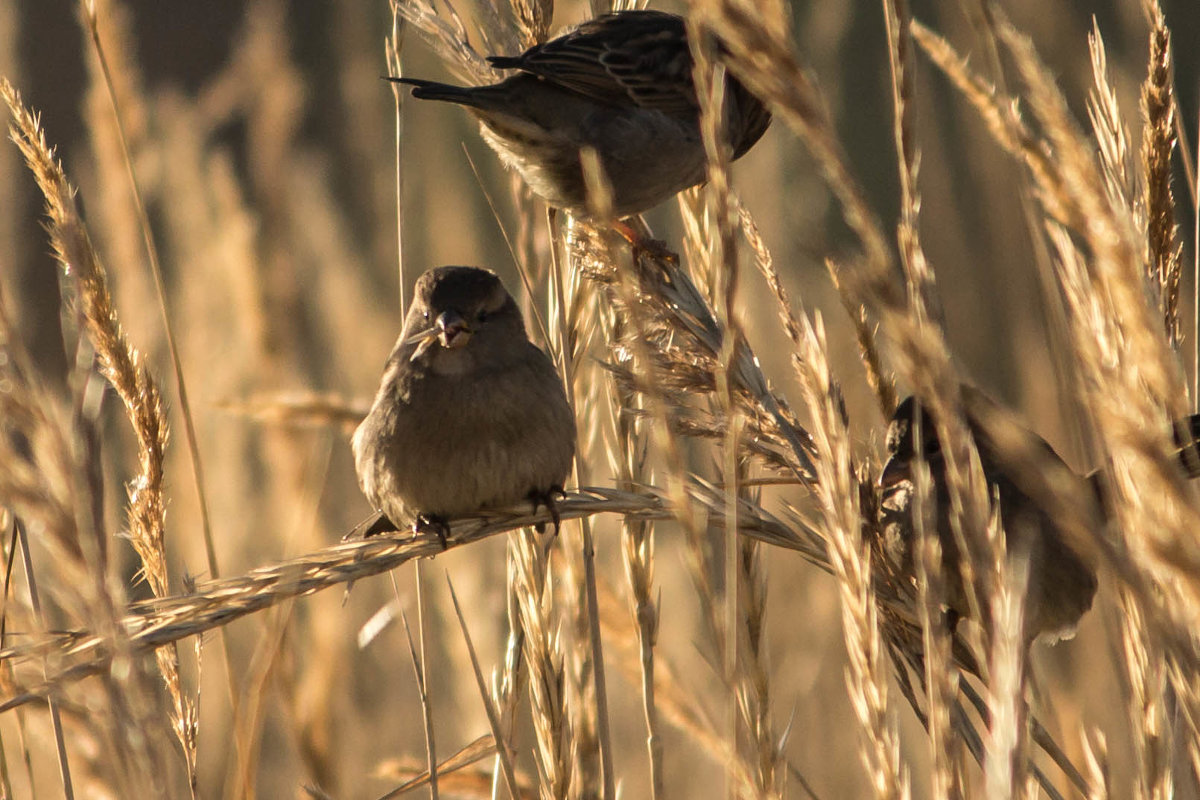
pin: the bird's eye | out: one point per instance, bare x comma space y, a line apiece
426, 314
482, 315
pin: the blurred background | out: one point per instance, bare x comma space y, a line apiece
263, 139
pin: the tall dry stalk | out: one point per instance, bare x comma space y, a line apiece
1144, 666
839, 490
1164, 249
628, 461
534, 591
661, 361
122, 366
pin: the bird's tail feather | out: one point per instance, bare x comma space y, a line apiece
506, 62
432, 90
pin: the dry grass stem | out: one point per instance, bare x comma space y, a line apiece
214, 604
418, 662
1008, 735
760, 54
766, 617
923, 299
499, 736
1164, 249
941, 679
1146, 673
628, 457
555, 752
393, 45
122, 365
507, 688
572, 305
91, 19
60, 745
839, 490
718, 263
454, 773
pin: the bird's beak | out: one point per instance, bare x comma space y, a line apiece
895, 471
450, 329
453, 330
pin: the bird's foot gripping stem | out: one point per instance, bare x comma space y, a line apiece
430, 523
549, 499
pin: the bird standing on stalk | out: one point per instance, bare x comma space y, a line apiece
469, 415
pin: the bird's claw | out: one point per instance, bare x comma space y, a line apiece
429, 523
641, 244
549, 499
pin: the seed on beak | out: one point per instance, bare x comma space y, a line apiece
423, 340
450, 330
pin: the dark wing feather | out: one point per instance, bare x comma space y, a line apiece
634, 56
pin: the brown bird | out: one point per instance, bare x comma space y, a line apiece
1044, 505
620, 85
469, 415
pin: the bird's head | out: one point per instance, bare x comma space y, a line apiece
461, 315
910, 421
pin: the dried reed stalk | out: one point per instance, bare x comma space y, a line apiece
939, 675
1143, 662
719, 266
1004, 765
1164, 248
839, 491
506, 688
499, 738
682, 342
123, 367
627, 458
89, 17
573, 310
418, 663
758, 50
544, 654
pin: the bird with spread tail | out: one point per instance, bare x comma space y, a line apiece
470, 414
1047, 509
619, 85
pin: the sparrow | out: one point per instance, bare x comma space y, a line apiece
1044, 506
470, 414
621, 85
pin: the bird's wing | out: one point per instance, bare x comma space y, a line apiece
636, 56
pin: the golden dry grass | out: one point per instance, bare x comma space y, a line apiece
715, 619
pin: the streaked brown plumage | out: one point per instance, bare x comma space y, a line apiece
1049, 511
1061, 584
469, 415
620, 84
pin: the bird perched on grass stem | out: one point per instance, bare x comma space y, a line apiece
469, 415
620, 85
1048, 511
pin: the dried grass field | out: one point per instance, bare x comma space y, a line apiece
201, 214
